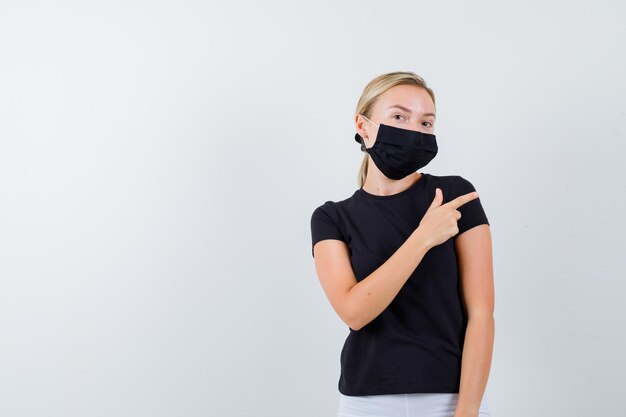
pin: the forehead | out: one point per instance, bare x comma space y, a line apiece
412, 97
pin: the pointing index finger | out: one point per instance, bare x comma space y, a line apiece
460, 200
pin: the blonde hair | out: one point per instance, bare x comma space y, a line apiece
370, 95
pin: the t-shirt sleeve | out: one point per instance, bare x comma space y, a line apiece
472, 212
325, 224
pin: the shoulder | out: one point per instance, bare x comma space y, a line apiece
447, 182
334, 208
333, 213
329, 210
327, 223
448, 179
452, 186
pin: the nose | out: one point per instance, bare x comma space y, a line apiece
415, 125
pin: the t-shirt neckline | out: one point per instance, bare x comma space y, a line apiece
417, 183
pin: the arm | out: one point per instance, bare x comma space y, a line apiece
359, 303
474, 255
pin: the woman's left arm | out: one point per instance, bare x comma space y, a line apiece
474, 256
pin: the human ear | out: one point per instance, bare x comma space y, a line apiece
359, 122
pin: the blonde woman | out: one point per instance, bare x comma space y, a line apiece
406, 263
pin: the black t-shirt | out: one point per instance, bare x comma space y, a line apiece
415, 344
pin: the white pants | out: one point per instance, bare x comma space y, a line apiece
403, 405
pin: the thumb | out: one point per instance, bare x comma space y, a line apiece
437, 200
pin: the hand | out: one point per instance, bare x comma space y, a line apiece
440, 221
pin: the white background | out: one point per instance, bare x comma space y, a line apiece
159, 163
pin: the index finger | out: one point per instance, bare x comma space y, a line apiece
460, 200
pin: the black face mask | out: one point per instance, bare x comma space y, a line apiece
400, 152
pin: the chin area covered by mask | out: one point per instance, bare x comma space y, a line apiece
399, 152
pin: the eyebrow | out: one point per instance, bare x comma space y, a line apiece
409, 111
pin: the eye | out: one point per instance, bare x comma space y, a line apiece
401, 116
431, 125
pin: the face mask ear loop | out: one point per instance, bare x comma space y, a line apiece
371, 123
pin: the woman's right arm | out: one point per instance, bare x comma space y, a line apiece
358, 303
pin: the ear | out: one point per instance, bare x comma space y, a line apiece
359, 122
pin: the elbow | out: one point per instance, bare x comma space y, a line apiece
352, 315
356, 326
351, 321
354, 321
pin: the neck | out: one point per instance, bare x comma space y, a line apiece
376, 183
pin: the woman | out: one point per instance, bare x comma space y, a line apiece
406, 263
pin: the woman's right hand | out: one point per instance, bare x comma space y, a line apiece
440, 221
